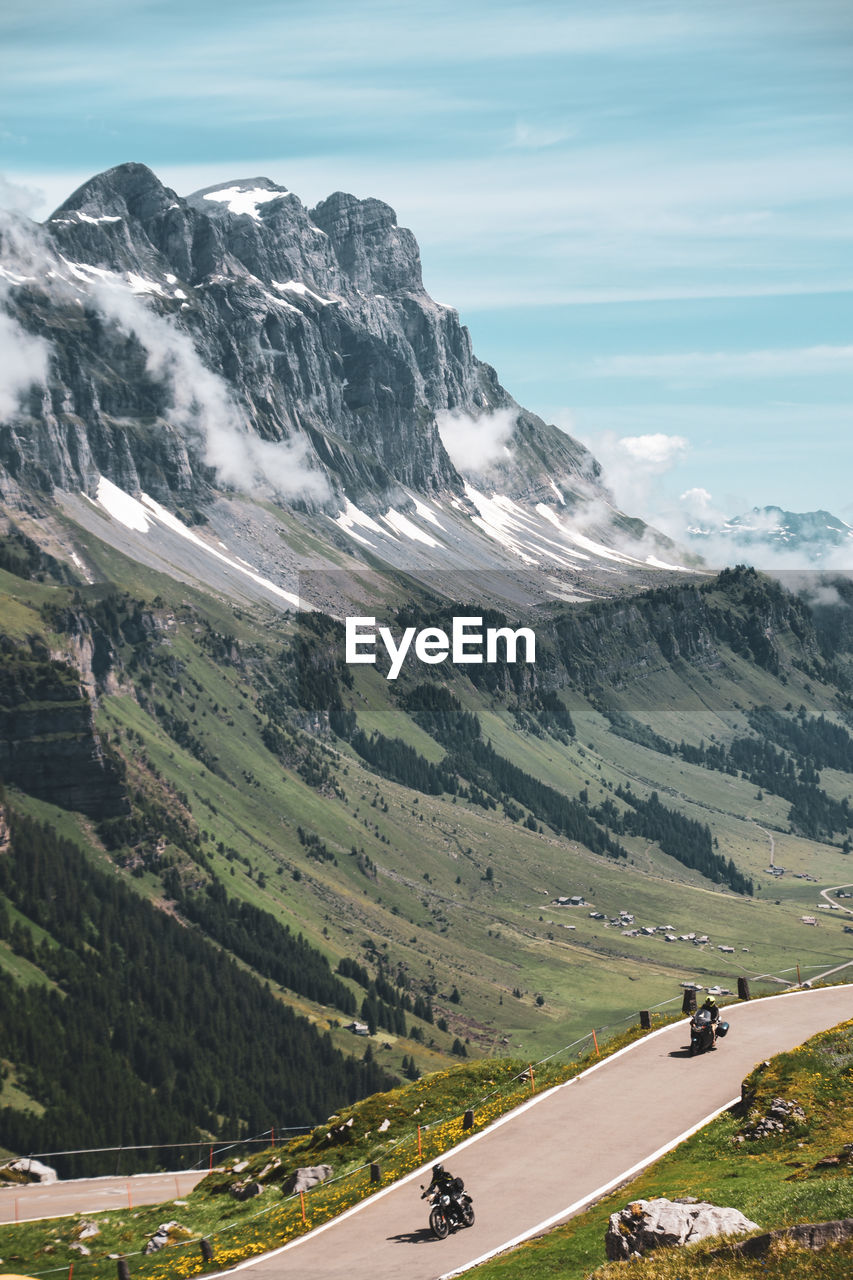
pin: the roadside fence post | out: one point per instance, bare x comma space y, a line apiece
645, 1020
468, 1119
375, 1174
122, 1269
206, 1249
595, 1042
420, 1148
743, 989
799, 979
532, 1081
688, 1003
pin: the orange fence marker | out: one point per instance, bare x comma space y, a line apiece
595, 1042
532, 1082
302, 1202
420, 1148
129, 1197
210, 1165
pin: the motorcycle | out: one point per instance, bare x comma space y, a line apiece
451, 1209
702, 1032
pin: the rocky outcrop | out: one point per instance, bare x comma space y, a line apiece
302, 1179
781, 1116
653, 1224
168, 1233
807, 1235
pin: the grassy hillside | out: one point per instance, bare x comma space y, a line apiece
252, 759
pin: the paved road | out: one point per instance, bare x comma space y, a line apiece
560, 1150
88, 1195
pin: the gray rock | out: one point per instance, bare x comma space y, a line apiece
167, 1233
781, 1115
652, 1224
245, 1190
33, 1169
808, 1235
302, 1179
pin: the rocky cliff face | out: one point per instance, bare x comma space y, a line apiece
48, 743
236, 338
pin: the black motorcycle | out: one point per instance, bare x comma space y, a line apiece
702, 1032
451, 1209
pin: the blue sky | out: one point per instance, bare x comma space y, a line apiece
642, 210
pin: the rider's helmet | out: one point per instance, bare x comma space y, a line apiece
437, 1170
710, 1000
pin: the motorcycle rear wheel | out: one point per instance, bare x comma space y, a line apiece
468, 1215
439, 1224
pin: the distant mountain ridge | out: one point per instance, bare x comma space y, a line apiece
815, 534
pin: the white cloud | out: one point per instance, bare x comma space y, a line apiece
202, 405
632, 464
654, 453
690, 366
24, 357
23, 361
476, 444
17, 198
536, 136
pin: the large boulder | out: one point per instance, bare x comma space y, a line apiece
302, 1179
32, 1170
652, 1224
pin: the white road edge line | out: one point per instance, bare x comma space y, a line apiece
588, 1199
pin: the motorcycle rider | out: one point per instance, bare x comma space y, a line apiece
711, 1007
445, 1183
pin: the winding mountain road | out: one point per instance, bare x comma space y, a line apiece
539, 1166
560, 1151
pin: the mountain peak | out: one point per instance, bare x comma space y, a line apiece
373, 251
127, 189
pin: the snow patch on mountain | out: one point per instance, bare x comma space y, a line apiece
139, 517
400, 524
241, 200
294, 286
